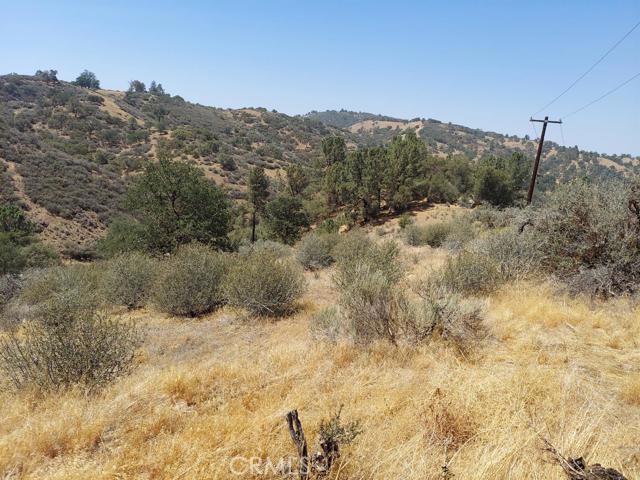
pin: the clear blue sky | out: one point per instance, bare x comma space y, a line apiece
486, 64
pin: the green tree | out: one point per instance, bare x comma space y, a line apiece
258, 193
87, 79
156, 88
334, 149
136, 86
11, 258
362, 178
493, 185
123, 236
406, 170
176, 204
297, 179
15, 224
286, 218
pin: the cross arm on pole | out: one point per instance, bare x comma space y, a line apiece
545, 120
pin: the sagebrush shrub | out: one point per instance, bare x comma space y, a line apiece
371, 302
590, 236
366, 278
277, 248
405, 220
264, 284
452, 234
435, 234
356, 248
62, 348
469, 273
67, 289
190, 281
66, 340
128, 279
448, 315
328, 324
517, 255
316, 250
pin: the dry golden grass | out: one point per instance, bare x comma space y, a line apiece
206, 391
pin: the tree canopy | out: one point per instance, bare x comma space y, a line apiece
176, 204
87, 79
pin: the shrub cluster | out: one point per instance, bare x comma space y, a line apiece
448, 315
264, 283
190, 281
452, 234
66, 340
128, 279
591, 236
367, 279
373, 305
316, 250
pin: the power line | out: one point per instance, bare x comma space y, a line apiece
615, 45
613, 90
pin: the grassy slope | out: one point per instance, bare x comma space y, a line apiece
208, 390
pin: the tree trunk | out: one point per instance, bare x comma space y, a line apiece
253, 227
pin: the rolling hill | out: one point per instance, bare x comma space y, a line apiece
67, 153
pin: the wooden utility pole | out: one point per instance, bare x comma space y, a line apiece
536, 163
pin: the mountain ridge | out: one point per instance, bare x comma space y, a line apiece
67, 153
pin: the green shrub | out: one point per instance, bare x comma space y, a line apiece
124, 235
356, 248
453, 233
366, 279
190, 281
328, 324
435, 234
38, 255
461, 231
405, 220
371, 302
589, 236
128, 279
315, 251
10, 286
469, 273
11, 258
264, 284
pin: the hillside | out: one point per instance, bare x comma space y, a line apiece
66, 152
560, 163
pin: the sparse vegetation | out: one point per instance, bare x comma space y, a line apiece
423, 353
